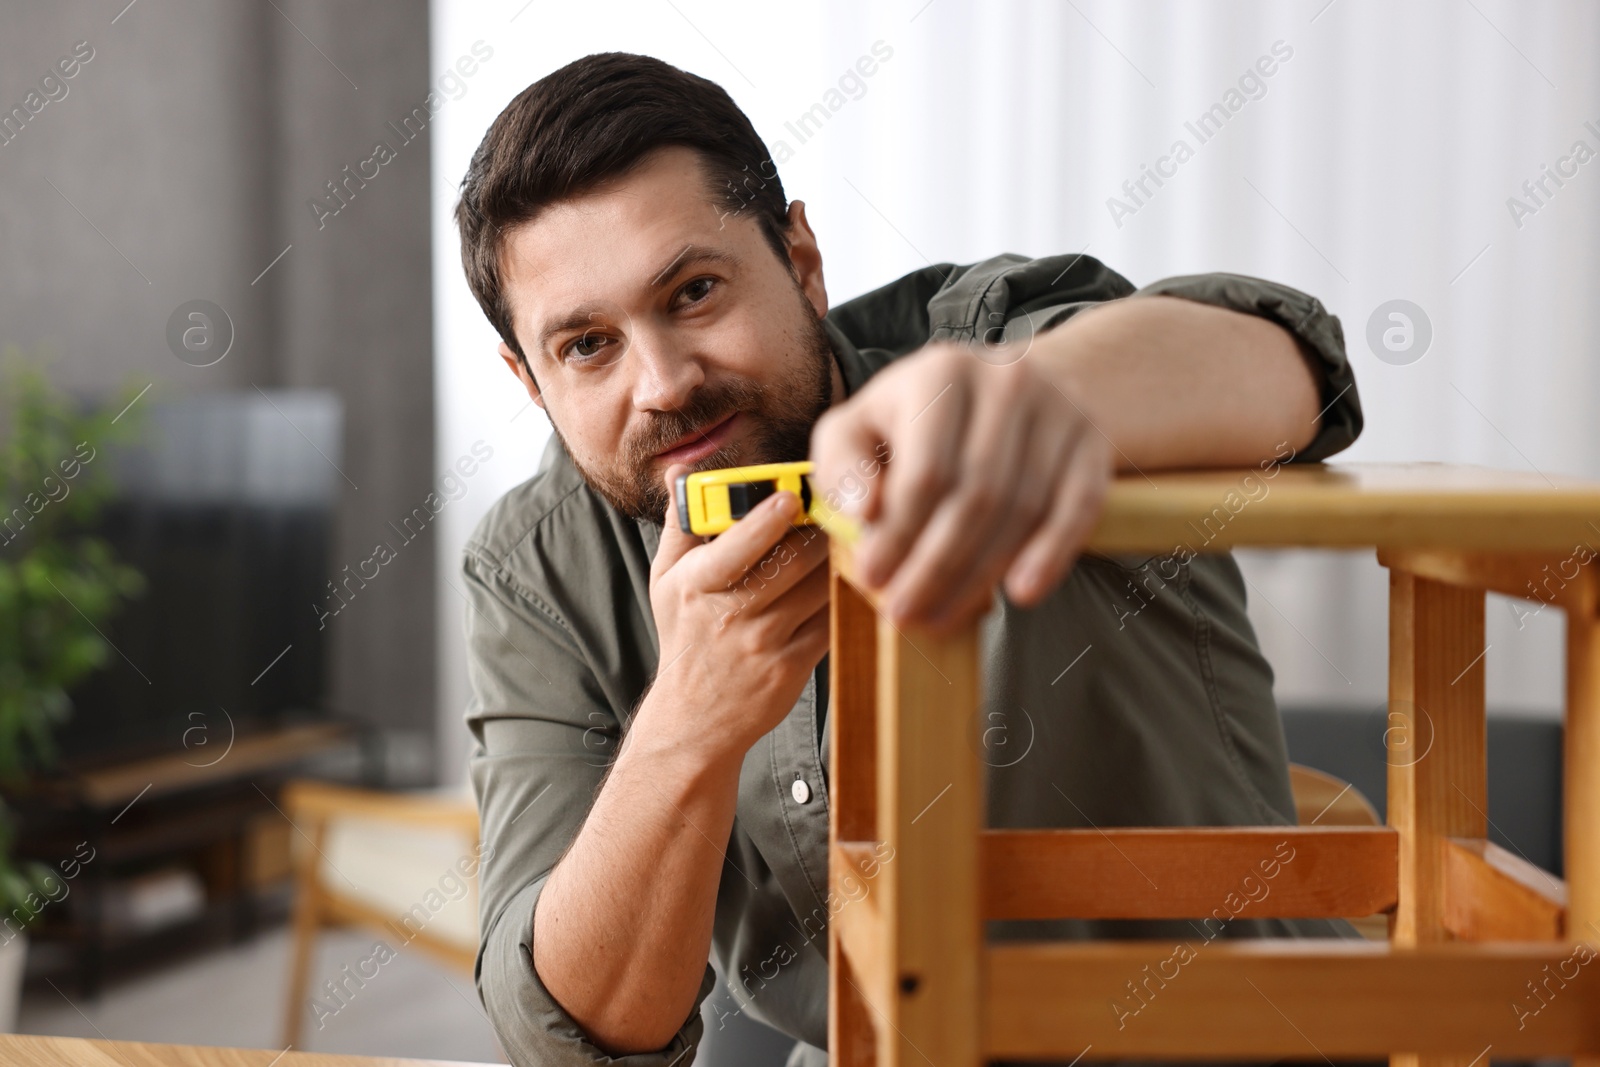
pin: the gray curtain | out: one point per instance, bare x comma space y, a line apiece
178, 162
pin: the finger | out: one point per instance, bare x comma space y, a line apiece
847, 447
806, 595
992, 508
789, 563
1047, 557
809, 594
674, 542
809, 642
926, 453
955, 614
1042, 469
728, 558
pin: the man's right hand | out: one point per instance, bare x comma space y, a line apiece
742, 621
624, 924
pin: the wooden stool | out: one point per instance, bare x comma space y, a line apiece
1485, 953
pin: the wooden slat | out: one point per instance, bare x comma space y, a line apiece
1560, 579
1192, 873
1194, 999
930, 809
1491, 895
1425, 505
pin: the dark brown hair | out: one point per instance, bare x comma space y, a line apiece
593, 120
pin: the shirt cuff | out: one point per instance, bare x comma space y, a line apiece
534, 1030
1319, 335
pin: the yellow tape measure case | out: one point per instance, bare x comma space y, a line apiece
709, 502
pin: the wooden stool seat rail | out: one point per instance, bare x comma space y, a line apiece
1486, 955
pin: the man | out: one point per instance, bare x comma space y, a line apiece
649, 709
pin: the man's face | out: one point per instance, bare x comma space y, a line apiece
662, 330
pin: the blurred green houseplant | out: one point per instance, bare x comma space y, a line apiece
59, 585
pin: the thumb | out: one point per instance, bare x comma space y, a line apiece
674, 542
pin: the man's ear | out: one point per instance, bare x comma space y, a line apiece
806, 258
516, 366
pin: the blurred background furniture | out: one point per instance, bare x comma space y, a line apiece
171, 853
164, 798
1321, 799
401, 865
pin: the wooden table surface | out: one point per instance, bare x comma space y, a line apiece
28, 1050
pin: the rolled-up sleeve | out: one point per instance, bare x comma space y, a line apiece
1318, 334
544, 736
1008, 299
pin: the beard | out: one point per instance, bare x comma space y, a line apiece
781, 413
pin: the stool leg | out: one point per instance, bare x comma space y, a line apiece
853, 803
1438, 770
930, 806
1581, 780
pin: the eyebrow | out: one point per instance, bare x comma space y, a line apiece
584, 314
576, 319
692, 253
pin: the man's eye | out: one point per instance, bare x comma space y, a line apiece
698, 289
587, 346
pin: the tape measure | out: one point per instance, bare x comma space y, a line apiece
709, 502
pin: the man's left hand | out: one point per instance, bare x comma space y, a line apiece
983, 473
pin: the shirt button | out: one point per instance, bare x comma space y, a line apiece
800, 791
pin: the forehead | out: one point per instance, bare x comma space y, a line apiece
612, 243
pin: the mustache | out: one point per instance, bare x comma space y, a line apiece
707, 406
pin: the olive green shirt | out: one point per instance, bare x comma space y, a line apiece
1135, 695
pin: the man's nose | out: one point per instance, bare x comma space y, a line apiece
665, 376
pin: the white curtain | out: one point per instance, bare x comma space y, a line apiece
1374, 163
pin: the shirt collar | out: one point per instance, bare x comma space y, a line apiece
852, 367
